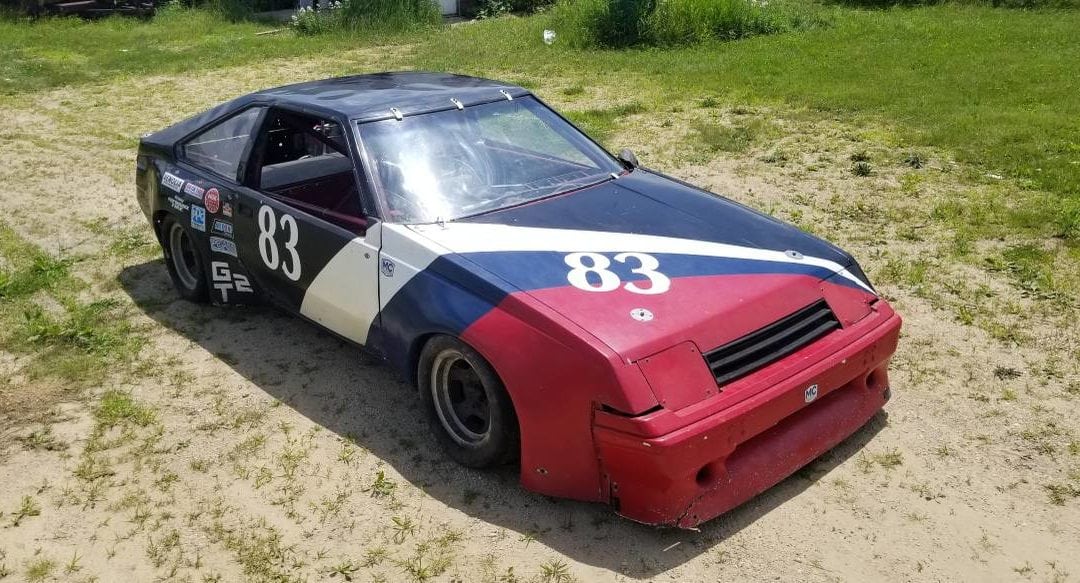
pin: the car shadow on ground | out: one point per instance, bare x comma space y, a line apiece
352, 395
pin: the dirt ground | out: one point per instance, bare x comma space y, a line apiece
277, 453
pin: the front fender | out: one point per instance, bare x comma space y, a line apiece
557, 375
558, 380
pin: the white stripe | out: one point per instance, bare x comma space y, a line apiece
344, 296
410, 253
480, 237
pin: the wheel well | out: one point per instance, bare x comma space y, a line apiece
159, 218
413, 361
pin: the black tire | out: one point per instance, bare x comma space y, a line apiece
185, 263
468, 407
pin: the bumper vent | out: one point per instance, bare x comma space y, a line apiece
757, 349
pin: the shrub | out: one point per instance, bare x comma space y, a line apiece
391, 15
623, 23
677, 22
994, 3
308, 21
530, 5
380, 15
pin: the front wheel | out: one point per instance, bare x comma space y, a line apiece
184, 261
468, 408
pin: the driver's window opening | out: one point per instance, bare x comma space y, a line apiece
457, 163
305, 162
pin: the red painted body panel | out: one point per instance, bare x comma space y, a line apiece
598, 425
555, 374
680, 379
707, 310
664, 470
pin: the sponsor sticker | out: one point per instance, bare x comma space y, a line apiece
194, 190
178, 205
225, 280
212, 200
172, 182
222, 228
387, 267
810, 393
219, 245
226, 209
198, 218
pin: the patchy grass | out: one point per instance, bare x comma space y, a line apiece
118, 408
26, 269
888, 460
39, 570
41, 440
67, 342
601, 123
735, 137
54, 52
28, 507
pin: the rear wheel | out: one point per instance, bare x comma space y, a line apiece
183, 260
468, 408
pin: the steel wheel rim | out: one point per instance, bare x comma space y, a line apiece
460, 398
183, 257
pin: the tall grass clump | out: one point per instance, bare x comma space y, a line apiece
1019, 4
680, 22
368, 15
392, 15
627, 23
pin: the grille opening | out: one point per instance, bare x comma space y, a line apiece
764, 346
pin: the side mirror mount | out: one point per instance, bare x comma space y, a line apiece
629, 159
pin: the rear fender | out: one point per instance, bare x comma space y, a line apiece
164, 189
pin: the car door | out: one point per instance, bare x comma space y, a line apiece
301, 228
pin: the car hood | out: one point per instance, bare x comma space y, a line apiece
644, 262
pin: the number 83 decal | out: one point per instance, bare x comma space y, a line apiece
268, 245
598, 265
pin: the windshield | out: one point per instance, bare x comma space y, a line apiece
457, 163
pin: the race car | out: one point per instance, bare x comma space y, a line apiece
626, 337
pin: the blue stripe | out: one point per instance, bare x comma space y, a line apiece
445, 298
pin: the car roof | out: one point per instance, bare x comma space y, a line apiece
358, 97
372, 96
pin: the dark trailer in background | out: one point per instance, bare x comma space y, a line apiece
84, 8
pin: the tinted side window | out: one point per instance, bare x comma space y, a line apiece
220, 148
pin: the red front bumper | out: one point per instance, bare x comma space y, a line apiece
685, 467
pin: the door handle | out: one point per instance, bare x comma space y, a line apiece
244, 209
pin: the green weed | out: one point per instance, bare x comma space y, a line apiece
28, 507
555, 571
39, 570
381, 487
120, 408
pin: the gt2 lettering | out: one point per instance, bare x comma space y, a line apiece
268, 246
225, 280
609, 280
